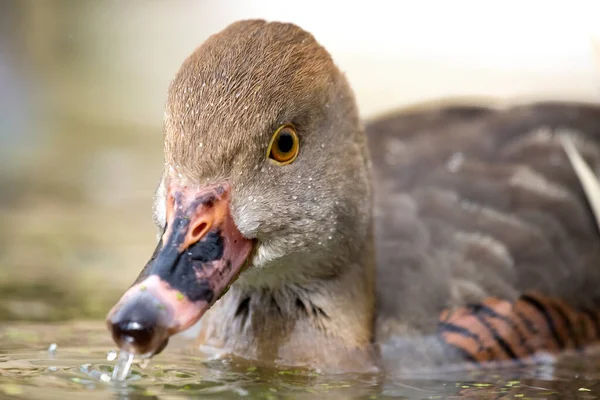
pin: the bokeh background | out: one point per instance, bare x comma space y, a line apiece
82, 89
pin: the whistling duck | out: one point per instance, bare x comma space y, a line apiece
303, 237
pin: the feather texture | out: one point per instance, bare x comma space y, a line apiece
473, 203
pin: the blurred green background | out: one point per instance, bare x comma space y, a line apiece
82, 87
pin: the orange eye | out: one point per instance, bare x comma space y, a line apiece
284, 145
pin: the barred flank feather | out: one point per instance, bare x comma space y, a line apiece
501, 330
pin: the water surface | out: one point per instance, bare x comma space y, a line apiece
69, 361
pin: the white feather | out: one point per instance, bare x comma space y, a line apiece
589, 181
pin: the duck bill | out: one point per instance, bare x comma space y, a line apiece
200, 254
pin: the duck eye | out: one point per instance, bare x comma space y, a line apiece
284, 145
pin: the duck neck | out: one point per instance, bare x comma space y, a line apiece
325, 322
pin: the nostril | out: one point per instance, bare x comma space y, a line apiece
199, 231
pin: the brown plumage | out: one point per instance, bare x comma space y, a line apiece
480, 204
420, 239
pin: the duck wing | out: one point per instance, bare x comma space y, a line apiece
485, 235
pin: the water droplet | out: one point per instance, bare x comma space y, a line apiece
237, 95
319, 243
111, 355
310, 178
294, 197
329, 237
254, 200
322, 145
203, 84
200, 144
52, 348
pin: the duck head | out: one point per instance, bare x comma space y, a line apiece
265, 181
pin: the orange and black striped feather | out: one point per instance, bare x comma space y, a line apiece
496, 329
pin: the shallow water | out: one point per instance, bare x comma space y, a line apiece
63, 361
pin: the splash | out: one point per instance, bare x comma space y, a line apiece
123, 366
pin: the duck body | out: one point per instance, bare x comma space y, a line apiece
484, 237
414, 241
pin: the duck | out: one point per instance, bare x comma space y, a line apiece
294, 233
